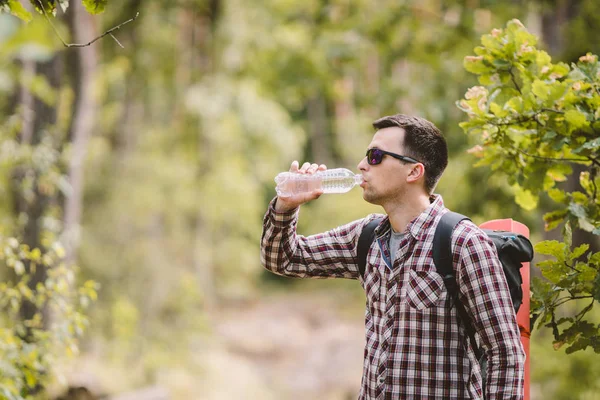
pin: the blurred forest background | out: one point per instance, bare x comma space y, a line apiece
153, 164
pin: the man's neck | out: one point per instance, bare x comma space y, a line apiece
402, 213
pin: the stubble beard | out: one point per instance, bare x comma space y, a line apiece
371, 197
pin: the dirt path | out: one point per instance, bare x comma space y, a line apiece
287, 347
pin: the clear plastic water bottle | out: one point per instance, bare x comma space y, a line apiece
337, 180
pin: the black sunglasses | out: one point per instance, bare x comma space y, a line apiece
375, 157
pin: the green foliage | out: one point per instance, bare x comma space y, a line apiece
534, 120
15, 8
559, 375
48, 7
30, 347
42, 307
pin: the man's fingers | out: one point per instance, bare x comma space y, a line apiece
304, 168
307, 168
294, 166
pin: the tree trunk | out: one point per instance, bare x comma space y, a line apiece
84, 64
554, 21
31, 201
204, 60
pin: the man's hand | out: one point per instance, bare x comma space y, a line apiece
289, 203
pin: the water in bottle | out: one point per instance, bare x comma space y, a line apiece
338, 180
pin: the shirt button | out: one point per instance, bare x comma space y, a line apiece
381, 380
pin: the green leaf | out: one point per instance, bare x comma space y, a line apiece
17, 9
557, 195
540, 89
576, 119
515, 104
568, 234
579, 251
578, 211
551, 248
553, 271
525, 198
588, 274
554, 218
586, 224
579, 344
559, 172
30, 378
502, 64
542, 58
497, 110
591, 145
95, 6
476, 65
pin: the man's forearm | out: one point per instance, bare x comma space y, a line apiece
276, 245
505, 374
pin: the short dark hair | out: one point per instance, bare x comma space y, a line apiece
422, 141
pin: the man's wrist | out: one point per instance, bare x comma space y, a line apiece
280, 207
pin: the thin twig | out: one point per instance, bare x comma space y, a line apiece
552, 110
573, 268
586, 310
116, 40
564, 300
108, 32
512, 76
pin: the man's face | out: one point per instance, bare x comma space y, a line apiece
385, 182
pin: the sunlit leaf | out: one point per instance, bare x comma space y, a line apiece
95, 6
551, 248
17, 9
46, 7
576, 118
525, 198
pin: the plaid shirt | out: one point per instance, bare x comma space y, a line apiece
415, 348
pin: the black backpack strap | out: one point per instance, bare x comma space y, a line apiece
364, 243
442, 258
442, 241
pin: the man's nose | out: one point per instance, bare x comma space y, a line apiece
362, 165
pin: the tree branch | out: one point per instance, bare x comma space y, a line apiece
108, 32
553, 158
564, 300
595, 161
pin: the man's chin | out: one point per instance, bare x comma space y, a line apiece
370, 199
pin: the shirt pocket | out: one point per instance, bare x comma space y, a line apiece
424, 289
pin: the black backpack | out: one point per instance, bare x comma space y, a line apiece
513, 250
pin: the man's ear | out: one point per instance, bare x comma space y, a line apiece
416, 172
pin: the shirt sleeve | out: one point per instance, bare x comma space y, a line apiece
331, 254
486, 296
